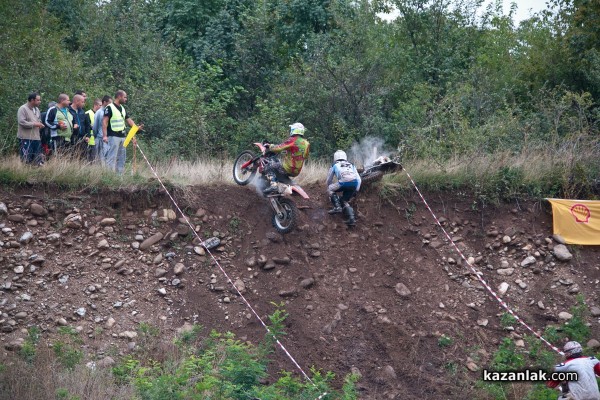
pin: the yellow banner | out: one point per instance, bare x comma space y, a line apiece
577, 221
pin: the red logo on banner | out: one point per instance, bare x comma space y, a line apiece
581, 213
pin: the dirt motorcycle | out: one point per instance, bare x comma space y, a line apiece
381, 166
248, 164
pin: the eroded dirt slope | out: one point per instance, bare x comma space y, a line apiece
373, 300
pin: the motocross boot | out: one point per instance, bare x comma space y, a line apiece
272, 188
337, 205
348, 211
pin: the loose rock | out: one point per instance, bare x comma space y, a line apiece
307, 283
240, 285
528, 261
559, 239
151, 241
471, 366
593, 344
562, 253
402, 290
503, 288
506, 271
199, 250
38, 210
565, 316
26, 238
108, 222
178, 269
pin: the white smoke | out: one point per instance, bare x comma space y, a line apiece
367, 150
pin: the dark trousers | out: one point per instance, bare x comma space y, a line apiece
30, 151
274, 170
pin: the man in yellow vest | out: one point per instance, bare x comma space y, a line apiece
113, 131
90, 139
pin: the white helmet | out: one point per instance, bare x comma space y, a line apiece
340, 155
297, 129
572, 348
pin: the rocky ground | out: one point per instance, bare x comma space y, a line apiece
374, 300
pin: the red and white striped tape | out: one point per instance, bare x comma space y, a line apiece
287, 353
478, 273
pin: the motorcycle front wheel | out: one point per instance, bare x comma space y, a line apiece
286, 221
243, 176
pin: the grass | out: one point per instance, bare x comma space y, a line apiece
566, 171
505, 176
73, 174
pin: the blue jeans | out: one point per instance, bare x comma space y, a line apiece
115, 156
347, 188
30, 151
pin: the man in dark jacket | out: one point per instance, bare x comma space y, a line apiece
81, 126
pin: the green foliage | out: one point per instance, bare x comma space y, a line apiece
507, 320
66, 351
224, 368
63, 394
507, 357
188, 337
538, 353
445, 341
67, 354
496, 391
541, 392
576, 328
28, 351
234, 224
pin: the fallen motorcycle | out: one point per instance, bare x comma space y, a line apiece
247, 164
381, 166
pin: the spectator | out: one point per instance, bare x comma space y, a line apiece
60, 121
81, 125
101, 147
46, 134
90, 137
113, 130
83, 94
28, 133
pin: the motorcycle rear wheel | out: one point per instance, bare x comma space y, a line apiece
371, 176
243, 176
288, 221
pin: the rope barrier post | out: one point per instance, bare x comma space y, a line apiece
216, 262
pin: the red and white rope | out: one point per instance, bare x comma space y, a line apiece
478, 273
287, 353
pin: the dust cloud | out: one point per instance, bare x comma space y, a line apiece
365, 151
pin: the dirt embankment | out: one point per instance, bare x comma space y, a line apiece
374, 299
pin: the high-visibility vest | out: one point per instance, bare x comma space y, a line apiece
117, 120
92, 141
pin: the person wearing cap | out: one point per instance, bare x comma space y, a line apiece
296, 150
587, 368
348, 183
